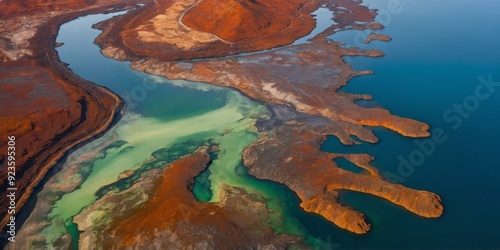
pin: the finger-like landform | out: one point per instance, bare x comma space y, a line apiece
305, 77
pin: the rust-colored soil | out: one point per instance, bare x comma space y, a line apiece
173, 30
43, 104
314, 176
47, 115
236, 20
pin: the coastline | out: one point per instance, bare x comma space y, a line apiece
282, 77
421, 81
105, 104
46, 61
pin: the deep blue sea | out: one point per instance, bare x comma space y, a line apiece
431, 72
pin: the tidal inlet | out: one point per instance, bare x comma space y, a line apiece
197, 124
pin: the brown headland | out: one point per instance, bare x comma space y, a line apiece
171, 217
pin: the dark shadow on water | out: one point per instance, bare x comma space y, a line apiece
349, 166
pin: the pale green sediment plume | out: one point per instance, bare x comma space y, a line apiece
146, 135
148, 139
230, 126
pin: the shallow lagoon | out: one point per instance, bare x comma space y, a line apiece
423, 75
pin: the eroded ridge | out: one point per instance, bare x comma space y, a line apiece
306, 77
292, 156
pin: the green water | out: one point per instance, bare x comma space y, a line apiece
164, 120
422, 76
202, 187
144, 136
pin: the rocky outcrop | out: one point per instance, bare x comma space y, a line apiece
47, 115
379, 37
292, 156
306, 77
250, 20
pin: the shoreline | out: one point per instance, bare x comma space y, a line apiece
273, 96
44, 44
281, 77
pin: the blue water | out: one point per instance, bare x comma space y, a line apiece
141, 92
165, 101
324, 20
438, 51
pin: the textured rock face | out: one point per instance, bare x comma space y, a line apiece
54, 110
171, 30
235, 20
165, 214
47, 115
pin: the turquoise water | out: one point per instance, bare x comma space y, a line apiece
438, 51
165, 119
